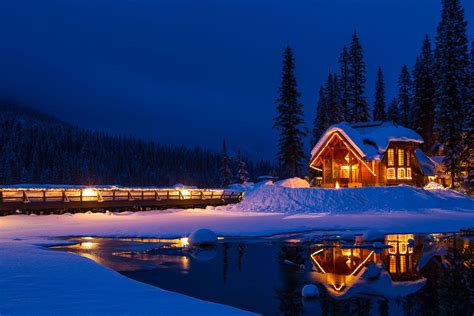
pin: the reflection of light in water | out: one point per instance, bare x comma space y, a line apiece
87, 238
87, 245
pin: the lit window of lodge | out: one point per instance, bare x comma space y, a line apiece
390, 157
401, 157
408, 173
401, 173
391, 173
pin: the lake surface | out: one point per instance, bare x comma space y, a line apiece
419, 274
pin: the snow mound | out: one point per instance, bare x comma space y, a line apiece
293, 183
263, 197
202, 237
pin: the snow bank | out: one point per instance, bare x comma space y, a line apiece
293, 183
278, 198
39, 281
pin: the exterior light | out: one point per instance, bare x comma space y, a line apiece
337, 185
89, 192
185, 193
184, 241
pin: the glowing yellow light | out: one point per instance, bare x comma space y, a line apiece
346, 253
87, 238
89, 192
337, 185
185, 193
184, 241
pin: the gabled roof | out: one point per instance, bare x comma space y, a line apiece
370, 139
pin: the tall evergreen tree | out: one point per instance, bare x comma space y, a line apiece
290, 120
423, 111
468, 157
379, 104
357, 100
392, 111
226, 173
404, 96
321, 121
242, 173
335, 113
451, 83
343, 84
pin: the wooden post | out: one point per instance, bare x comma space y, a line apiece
332, 166
350, 167
324, 171
113, 195
44, 195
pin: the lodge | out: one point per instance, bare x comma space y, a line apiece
371, 154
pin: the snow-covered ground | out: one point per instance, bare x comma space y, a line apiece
33, 278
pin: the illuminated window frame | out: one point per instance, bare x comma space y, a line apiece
401, 157
408, 173
390, 157
401, 173
391, 173
408, 158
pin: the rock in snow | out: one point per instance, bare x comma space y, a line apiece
202, 237
310, 291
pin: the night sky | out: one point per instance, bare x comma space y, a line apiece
193, 72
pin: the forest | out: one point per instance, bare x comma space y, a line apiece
38, 148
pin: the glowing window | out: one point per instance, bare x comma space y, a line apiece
393, 264
390, 157
401, 173
408, 173
408, 158
402, 247
393, 248
391, 173
401, 157
403, 264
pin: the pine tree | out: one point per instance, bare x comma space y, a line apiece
290, 120
226, 173
357, 80
343, 84
468, 157
321, 121
404, 96
451, 83
423, 111
242, 173
335, 113
392, 111
379, 104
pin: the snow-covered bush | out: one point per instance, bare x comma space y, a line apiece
310, 291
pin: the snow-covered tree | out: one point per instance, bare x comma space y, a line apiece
321, 121
226, 173
468, 157
423, 111
451, 57
290, 120
404, 96
242, 173
392, 111
343, 83
379, 103
357, 100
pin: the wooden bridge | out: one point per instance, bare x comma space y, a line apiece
61, 199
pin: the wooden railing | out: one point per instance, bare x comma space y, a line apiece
15, 200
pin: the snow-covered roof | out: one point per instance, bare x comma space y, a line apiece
428, 165
370, 139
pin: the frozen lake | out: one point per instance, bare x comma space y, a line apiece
419, 273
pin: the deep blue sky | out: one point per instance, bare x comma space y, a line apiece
193, 72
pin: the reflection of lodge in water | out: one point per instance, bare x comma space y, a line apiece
340, 268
